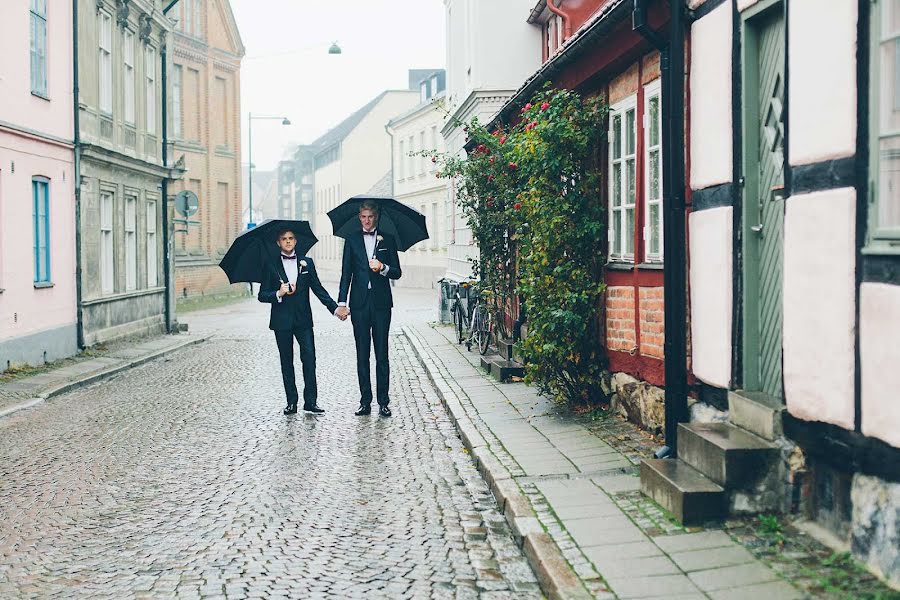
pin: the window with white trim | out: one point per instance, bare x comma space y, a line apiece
39, 47
105, 63
130, 242
653, 215
152, 253
176, 102
884, 208
150, 74
402, 160
107, 264
128, 60
622, 177
421, 157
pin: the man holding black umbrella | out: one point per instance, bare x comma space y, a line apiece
369, 261
286, 286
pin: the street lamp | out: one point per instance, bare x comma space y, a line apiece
284, 121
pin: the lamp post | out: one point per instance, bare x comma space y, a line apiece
284, 121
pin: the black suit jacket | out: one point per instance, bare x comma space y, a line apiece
293, 312
356, 275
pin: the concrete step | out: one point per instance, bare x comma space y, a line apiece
683, 491
724, 453
503, 370
505, 347
757, 413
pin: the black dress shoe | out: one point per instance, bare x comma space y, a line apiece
363, 410
384, 411
313, 408
290, 409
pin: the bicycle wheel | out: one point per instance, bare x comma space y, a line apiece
460, 322
486, 327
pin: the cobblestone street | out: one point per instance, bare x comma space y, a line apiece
182, 478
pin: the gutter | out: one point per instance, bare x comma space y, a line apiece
79, 308
674, 233
167, 252
566, 19
390, 133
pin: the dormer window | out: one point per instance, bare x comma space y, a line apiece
554, 34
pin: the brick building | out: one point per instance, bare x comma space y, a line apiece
206, 129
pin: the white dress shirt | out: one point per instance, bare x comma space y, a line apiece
291, 269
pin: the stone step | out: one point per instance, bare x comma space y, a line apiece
683, 491
506, 348
757, 413
726, 454
503, 370
487, 361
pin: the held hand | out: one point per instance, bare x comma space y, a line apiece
342, 313
375, 265
283, 290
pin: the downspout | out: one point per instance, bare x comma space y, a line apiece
79, 309
567, 21
390, 133
167, 270
674, 240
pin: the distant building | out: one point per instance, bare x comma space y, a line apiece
265, 204
206, 128
413, 180
38, 319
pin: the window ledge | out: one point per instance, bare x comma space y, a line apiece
40, 95
43, 284
881, 248
651, 266
620, 266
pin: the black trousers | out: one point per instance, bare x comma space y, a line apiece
370, 328
285, 341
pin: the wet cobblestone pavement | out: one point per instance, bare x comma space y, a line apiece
182, 478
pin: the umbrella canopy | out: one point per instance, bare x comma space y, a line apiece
406, 224
254, 250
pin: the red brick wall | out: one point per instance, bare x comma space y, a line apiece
202, 280
651, 315
620, 330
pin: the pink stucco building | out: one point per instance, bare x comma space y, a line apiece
37, 174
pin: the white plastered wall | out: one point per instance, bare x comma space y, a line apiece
711, 294
879, 322
820, 306
822, 63
711, 127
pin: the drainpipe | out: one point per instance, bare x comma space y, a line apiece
674, 237
167, 270
390, 133
79, 309
567, 21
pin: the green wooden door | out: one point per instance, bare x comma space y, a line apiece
764, 201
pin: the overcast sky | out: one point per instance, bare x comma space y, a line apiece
288, 71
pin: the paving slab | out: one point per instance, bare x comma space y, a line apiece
733, 576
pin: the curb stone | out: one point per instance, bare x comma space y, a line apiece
97, 376
556, 577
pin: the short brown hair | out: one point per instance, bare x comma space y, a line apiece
370, 205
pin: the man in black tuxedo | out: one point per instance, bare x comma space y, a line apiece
370, 260
286, 287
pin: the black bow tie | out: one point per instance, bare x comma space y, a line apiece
368, 232
294, 257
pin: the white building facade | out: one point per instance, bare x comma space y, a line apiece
491, 50
414, 181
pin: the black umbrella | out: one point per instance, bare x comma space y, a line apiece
254, 250
406, 224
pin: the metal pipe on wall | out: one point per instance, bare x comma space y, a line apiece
167, 267
79, 310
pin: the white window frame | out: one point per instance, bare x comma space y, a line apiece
402, 161
618, 214
150, 79
130, 243
107, 249
128, 61
652, 90
410, 164
38, 19
177, 87
421, 158
884, 194
198, 21
152, 250
105, 63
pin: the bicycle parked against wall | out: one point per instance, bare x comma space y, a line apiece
481, 324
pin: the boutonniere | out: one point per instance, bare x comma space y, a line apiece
379, 238
303, 263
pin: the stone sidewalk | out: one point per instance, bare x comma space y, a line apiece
79, 371
574, 499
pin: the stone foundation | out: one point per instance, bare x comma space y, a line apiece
875, 526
